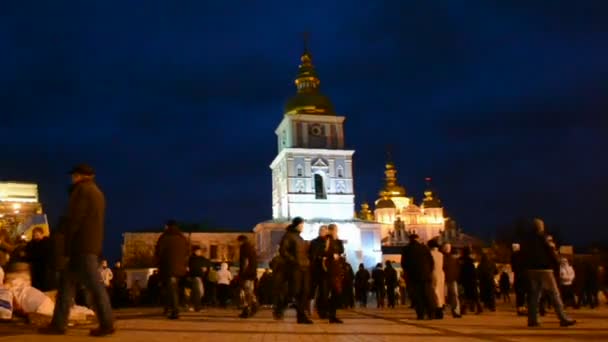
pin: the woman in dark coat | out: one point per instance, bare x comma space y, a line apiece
362, 285
468, 280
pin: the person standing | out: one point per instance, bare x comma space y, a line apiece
120, 293
391, 281
451, 270
378, 281
540, 262
106, 274
84, 232
520, 279
469, 281
335, 272
362, 285
172, 257
318, 290
417, 261
224, 278
248, 272
197, 265
37, 252
292, 268
438, 279
566, 278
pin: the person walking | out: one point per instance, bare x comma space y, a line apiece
172, 254
84, 233
248, 271
540, 262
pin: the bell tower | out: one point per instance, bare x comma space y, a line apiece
312, 172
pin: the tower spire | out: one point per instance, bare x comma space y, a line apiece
306, 37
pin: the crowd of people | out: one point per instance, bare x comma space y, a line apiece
309, 276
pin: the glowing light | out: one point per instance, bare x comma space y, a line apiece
16, 206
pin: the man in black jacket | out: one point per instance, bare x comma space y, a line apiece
540, 262
84, 230
248, 274
319, 291
197, 265
417, 261
295, 269
171, 253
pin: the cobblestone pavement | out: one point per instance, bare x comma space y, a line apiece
359, 325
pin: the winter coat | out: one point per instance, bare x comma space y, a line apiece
248, 263
362, 279
84, 226
171, 252
224, 277
294, 250
451, 268
566, 274
438, 279
538, 254
417, 262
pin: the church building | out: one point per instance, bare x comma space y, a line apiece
312, 175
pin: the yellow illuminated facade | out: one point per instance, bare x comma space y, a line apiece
399, 214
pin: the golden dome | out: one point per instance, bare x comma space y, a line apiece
308, 99
391, 188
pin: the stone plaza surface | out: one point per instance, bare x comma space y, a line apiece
359, 325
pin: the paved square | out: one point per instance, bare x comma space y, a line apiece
359, 325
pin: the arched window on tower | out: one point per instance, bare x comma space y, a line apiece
340, 171
319, 187
299, 170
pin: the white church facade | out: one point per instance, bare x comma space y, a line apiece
312, 176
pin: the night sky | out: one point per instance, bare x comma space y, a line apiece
175, 104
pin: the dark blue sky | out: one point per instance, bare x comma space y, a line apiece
175, 103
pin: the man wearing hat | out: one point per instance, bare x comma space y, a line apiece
84, 230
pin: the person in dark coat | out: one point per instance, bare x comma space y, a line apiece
379, 287
391, 280
171, 254
487, 288
38, 252
197, 266
334, 262
362, 285
248, 272
84, 232
293, 268
451, 269
469, 282
319, 291
520, 279
120, 293
417, 262
348, 295
505, 286
540, 262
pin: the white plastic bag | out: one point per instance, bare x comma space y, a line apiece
6, 304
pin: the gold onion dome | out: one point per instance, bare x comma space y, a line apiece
391, 188
385, 203
308, 99
430, 201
